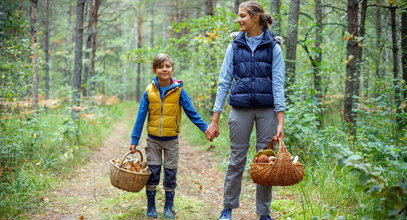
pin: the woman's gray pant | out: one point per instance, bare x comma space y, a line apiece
241, 121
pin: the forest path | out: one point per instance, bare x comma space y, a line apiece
88, 194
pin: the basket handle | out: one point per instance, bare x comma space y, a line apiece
280, 144
127, 154
282, 147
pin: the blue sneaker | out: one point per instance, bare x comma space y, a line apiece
226, 214
265, 217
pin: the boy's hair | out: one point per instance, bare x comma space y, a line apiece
161, 58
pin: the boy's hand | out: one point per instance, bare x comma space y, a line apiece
209, 135
133, 148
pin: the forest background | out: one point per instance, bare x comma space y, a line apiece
68, 66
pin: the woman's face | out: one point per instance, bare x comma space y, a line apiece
247, 22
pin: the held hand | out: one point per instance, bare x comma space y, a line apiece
212, 131
133, 148
209, 135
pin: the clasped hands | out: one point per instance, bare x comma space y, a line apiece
212, 131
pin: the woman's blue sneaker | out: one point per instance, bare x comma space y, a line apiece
226, 214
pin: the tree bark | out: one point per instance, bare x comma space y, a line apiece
68, 46
379, 44
152, 24
275, 6
209, 7
46, 50
362, 31
139, 43
404, 61
237, 3
88, 49
318, 41
292, 36
352, 78
92, 72
404, 51
34, 57
76, 94
395, 50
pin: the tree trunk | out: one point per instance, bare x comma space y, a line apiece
362, 31
352, 78
237, 3
395, 50
68, 46
275, 6
34, 57
76, 94
318, 41
292, 36
209, 7
46, 49
404, 61
379, 44
152, 24
88, 49
92, 72
139, 38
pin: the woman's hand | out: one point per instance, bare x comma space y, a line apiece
133, 148
280, 132
280, 126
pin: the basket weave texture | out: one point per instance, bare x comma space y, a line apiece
127, 180
280, 173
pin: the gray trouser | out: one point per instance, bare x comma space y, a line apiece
241, 121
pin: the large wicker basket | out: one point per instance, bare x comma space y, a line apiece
280, 173
127, 180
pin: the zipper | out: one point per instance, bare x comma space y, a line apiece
176, 123
161, 119
162, 112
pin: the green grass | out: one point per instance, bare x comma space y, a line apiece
37, 152
125, 205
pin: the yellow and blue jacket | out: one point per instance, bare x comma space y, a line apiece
164, 112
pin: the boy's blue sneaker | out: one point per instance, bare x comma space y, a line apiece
265, 217
226, 214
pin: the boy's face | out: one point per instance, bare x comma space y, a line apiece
164, 71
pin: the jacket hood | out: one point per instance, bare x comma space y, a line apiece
174, 83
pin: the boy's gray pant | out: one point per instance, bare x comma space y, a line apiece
241, 122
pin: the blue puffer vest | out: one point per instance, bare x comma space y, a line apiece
252, 73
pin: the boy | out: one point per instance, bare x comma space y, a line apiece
163, 100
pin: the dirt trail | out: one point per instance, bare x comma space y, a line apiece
198, 179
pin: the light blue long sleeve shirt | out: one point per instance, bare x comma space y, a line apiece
226, 75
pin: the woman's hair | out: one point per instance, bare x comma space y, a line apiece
254, 8
161, 58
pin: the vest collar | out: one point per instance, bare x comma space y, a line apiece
268, 38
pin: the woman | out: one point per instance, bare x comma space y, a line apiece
253, 72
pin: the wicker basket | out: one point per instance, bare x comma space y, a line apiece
280, 173
127, 180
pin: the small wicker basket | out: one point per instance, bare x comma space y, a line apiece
127, 180
280, 173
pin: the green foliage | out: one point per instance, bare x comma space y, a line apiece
36, 148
